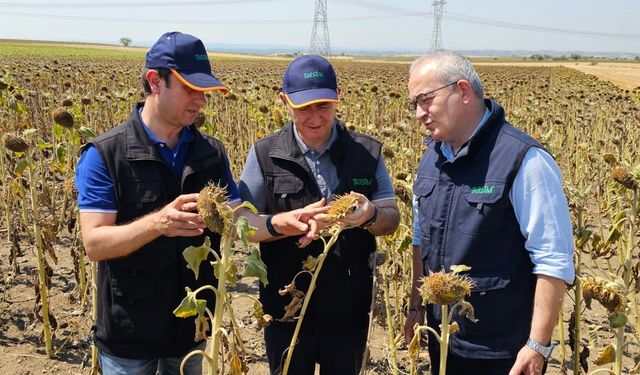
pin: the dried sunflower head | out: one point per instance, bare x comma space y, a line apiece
341, 206
610, 159
213, 206
603, 292
15, 143
622, 176
445, 288
63, 118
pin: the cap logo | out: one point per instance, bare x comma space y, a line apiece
201, 57
315, 74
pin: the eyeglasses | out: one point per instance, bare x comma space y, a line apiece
422, 99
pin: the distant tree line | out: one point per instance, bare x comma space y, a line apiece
573, 57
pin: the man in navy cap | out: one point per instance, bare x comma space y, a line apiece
313, 158
137, 192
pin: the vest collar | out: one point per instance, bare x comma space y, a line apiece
493, 123
139, 146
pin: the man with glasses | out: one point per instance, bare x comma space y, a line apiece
490, 197
315, 157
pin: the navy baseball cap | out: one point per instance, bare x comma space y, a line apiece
187, 59
310, 79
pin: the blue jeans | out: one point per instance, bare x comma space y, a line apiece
112, 365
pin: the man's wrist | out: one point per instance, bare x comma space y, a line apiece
544, 351
369, 223
270, 228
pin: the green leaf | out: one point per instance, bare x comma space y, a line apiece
42, 145
190, 305
21, 165
231, 271
196, 254
460, 268
250, 206
58, 131
244, 231
255, 267
87, 132
61, 153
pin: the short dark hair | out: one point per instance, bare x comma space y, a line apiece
163, 73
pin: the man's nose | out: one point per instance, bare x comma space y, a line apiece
420, 112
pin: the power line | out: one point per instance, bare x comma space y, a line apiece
199, 22
489, 22
124, 5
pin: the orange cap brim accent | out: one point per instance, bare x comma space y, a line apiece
298, 106
196, 88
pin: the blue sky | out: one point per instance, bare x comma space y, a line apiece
401, 25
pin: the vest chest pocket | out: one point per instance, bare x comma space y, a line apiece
286, 192
423, 190
140, 195
482, 208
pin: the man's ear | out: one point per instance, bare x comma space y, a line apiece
467, 92
154, 80
283, 99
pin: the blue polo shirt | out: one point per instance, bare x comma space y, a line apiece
95, 188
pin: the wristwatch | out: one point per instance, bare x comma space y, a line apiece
545, 351
367, 224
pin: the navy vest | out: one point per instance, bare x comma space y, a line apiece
343, 292
138, 293
466, 217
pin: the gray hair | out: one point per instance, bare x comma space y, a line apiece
451, 67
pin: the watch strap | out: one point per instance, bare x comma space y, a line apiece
545, 351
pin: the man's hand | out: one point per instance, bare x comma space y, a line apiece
413, 317
176, 218
363, 212
301, 221
528, 362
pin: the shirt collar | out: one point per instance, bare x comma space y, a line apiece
185, 134
446, 148
304, 148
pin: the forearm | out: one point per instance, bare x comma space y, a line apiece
418, 272
547, 305
388, 218
114, 241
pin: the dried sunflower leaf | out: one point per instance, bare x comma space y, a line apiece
289, 288
255, 267
606, 355
190, 305
466, 309
290, 311
194, 255
310, 264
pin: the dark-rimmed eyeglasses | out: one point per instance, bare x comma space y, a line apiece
423, 99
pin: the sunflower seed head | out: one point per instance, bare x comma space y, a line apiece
15, 143
63, 118
341, 206
603, 292
445, 288
213, 206
622, 176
